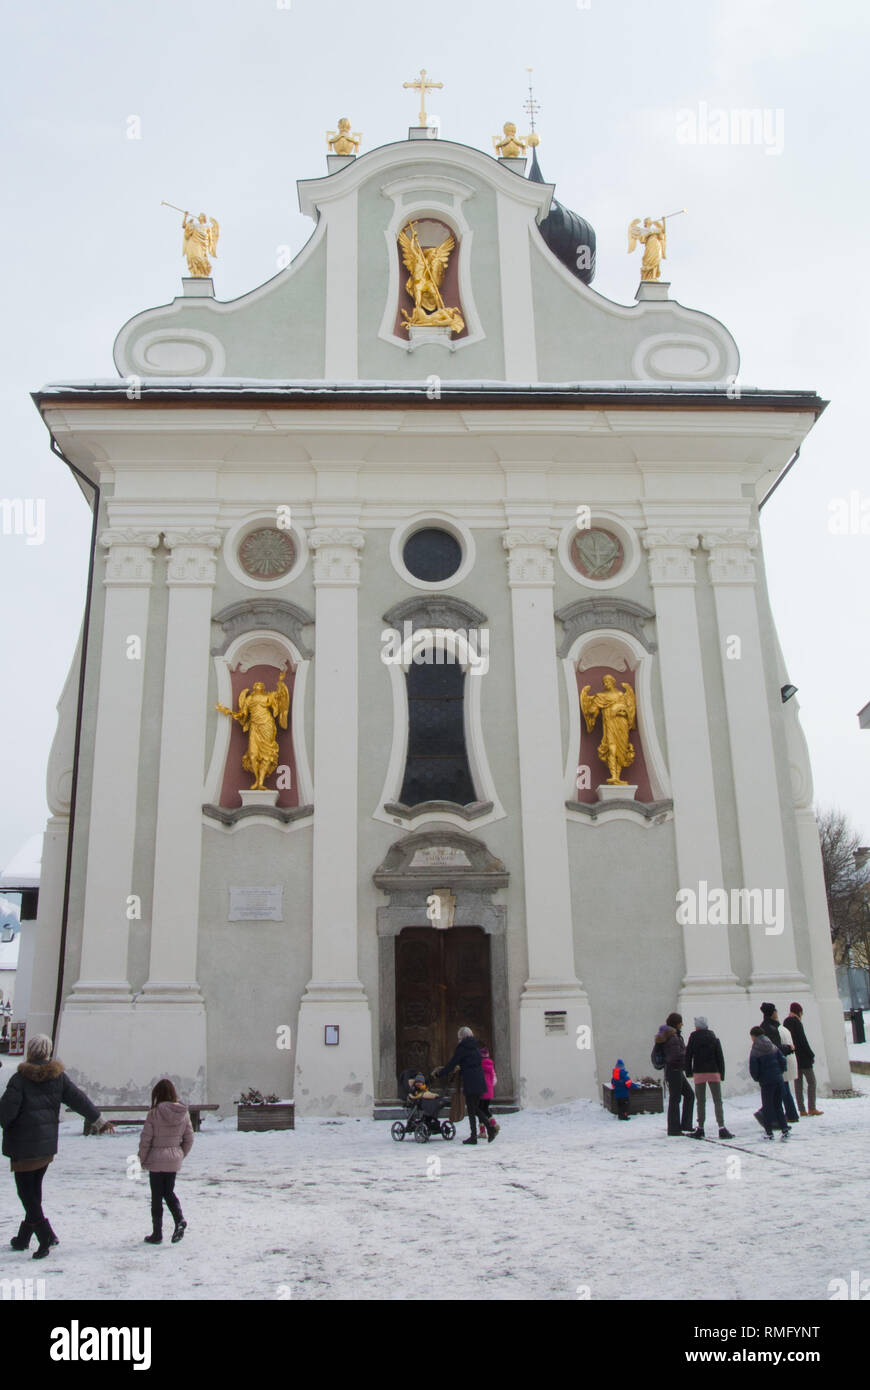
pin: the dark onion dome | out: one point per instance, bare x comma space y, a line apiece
566, 233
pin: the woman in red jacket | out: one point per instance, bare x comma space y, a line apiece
167, 1138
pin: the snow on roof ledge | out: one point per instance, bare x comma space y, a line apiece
24, 869
224, 386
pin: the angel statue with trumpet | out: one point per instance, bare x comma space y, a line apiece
653, 238
258, 709
427, 266
618, 710
200, 241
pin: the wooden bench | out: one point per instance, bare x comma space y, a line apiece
140, 1111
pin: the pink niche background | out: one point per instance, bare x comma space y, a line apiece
235, 777
637, 773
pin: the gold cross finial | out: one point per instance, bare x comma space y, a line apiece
422, 85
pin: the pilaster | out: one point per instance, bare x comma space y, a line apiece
552, 1066
759, 813
709, 986
112, 832
171, 1008
335, 1079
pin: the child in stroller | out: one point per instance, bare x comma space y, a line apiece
421, 1110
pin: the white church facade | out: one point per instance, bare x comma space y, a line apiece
434, 535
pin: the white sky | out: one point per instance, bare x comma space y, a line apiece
234, 97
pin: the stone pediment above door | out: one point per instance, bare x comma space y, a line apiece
435, 611
455, 859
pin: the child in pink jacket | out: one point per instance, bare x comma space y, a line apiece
491, 1080
167, 1138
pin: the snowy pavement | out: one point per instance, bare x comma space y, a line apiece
566, 1203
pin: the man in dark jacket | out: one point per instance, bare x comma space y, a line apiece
670, 1039
767, 1066
29, 1113
467, 1057
805, 1057
770, 1029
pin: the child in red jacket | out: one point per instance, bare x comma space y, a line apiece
622, 1084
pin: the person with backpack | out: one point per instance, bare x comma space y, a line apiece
767, 1066
669, 1054
804, 1057
705, 1063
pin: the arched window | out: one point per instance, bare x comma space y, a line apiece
437, 767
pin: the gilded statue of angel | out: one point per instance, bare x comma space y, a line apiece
257, 707
427, 266
653, 238
618, 710
200, 242
344, 140
511, 146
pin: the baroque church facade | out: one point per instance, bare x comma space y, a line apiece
428, 675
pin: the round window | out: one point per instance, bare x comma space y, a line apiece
267, 553
597, 554
432, 555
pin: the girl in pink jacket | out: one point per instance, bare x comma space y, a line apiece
167, 1137
491, 1080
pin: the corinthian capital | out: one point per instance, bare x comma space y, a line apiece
192, 559
130, 554
530, 555
670, 554
730, 555
336, 554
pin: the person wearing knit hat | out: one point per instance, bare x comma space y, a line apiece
681, 1097
622, 1084
770, 1029
767, 1067
705, 1063
805, 1057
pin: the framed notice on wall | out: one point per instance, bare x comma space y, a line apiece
330, 1035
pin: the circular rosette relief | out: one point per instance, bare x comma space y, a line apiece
267, 553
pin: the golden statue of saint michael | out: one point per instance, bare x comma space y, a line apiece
257, 707
427, 266
618, 710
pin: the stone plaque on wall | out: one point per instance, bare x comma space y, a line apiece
440, 856
256, 904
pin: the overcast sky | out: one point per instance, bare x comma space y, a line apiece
232, 100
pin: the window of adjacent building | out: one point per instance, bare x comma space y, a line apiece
437, 767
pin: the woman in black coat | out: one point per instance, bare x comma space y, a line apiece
467, 1057
29, 1114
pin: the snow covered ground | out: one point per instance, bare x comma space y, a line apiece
564, 1201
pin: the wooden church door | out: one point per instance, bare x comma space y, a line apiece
442, 984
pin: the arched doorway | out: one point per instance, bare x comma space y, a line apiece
443, 983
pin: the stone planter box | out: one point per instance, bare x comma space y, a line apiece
262, 1117
647, 1101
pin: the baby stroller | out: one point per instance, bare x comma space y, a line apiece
421, 1114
